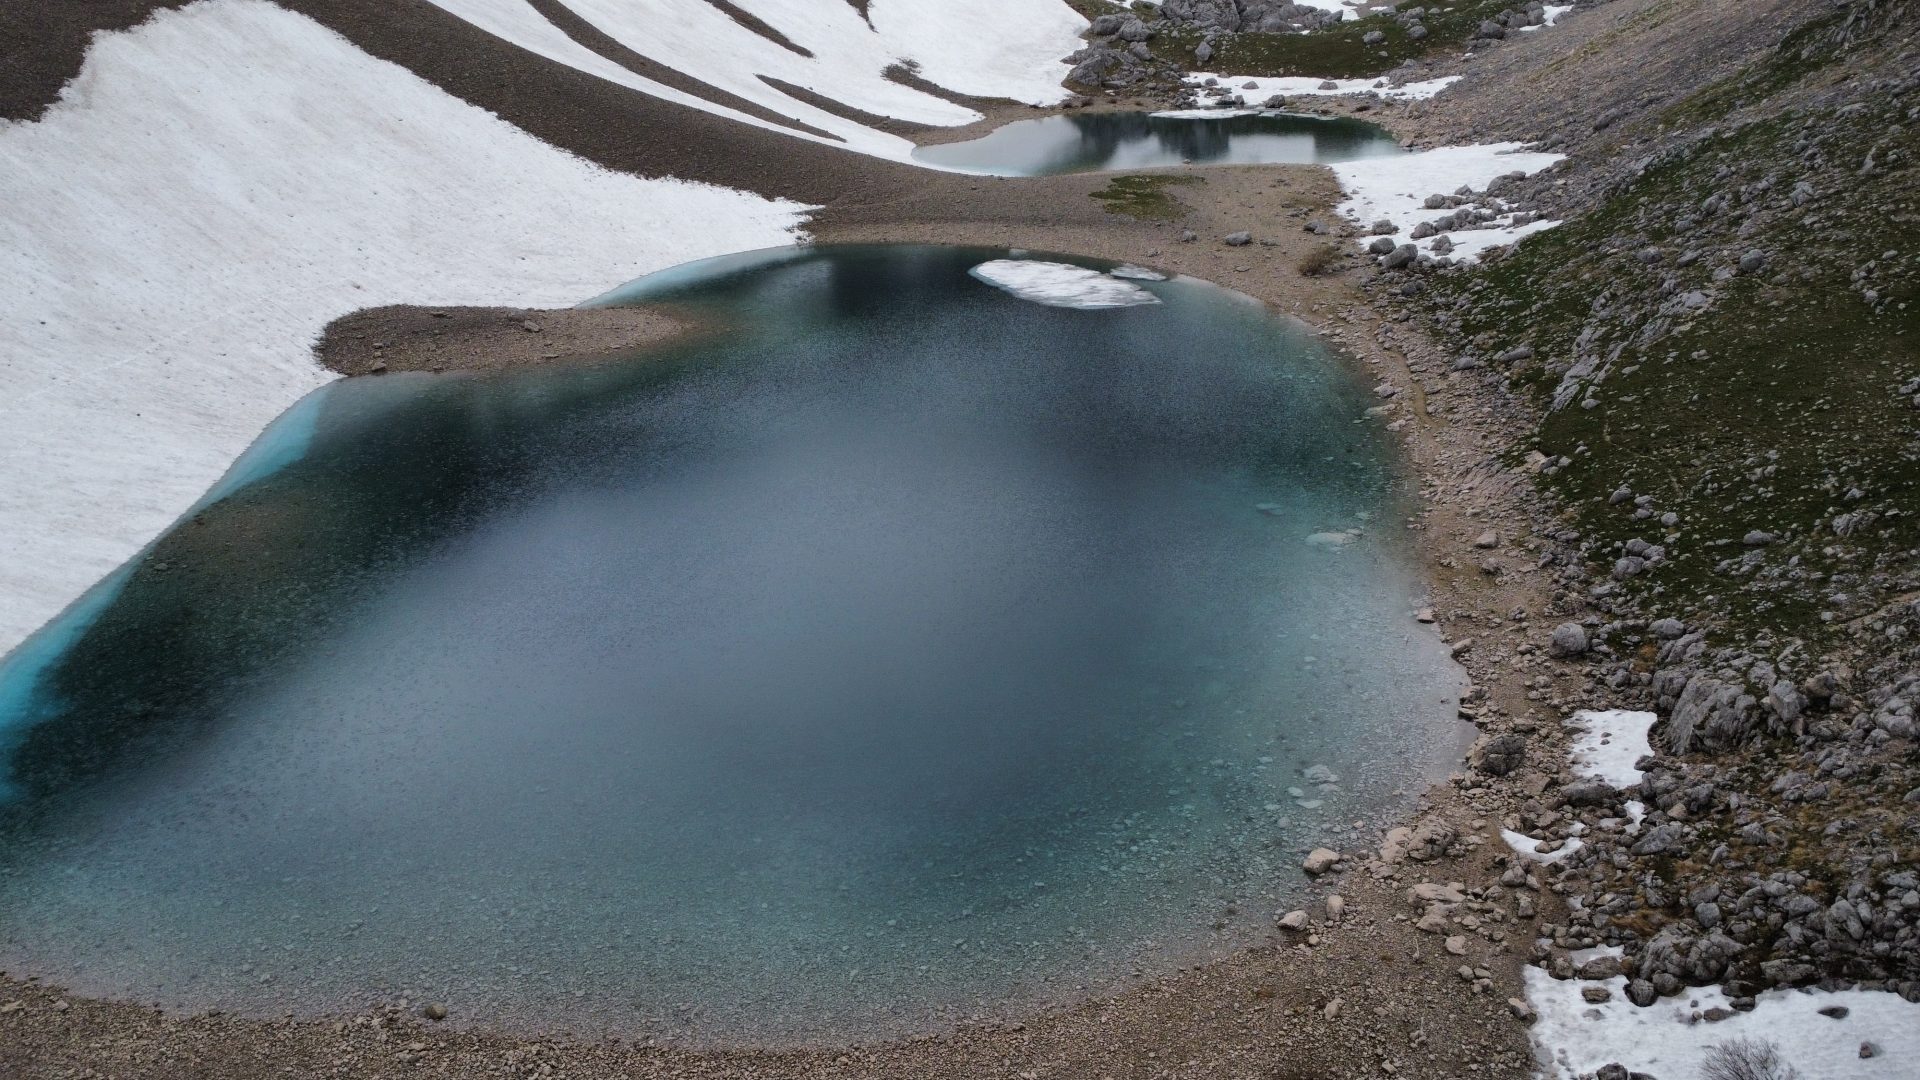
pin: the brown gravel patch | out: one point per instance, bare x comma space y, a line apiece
375, 341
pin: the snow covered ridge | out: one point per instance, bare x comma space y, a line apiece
1065, 285
987, 48
214, 188
1407, 191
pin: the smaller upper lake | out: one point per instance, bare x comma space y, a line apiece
1097, 142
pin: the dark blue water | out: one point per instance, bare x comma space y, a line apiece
901, 652
1111, 141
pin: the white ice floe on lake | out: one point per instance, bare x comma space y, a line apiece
1204, 114
1137, 273
1020, 59
1395, 189
1670, 1038
1607, 743
1259, 89
1528, 848
212, 189
1062, 284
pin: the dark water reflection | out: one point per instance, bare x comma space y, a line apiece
904, 652
1110, 141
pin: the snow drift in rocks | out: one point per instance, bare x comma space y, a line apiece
989, 48
212, 189
1395, 188
1607, 742
1258, 89
1669, 1039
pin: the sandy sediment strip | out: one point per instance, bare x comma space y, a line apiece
378, 340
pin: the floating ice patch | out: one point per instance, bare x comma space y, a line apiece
1137, 273
1062, 284
1528, 848
1204, 114
1608, 744
1575, 1037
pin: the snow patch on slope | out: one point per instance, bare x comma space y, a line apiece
518, 22
1019, 58
214, 188
1395, 188
1529, 848
1552, 15
1257, 90
1608, 742
1670, 1039
1062, 284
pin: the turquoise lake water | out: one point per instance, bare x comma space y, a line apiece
903, 652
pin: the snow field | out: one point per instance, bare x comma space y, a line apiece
214, 188
1020, 59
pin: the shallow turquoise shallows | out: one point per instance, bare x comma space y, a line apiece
900, 652
1111, 141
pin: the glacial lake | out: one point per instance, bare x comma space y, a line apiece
899, 653
1114, 141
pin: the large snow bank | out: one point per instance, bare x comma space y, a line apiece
1062, 284
1671, 1038
999, 48
1395, 188
1607, 743
211, 190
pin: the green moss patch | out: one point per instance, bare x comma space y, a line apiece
1779, 408
1145, 197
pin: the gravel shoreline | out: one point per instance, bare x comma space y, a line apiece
376, 341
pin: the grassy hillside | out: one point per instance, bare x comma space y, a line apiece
1779, 398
